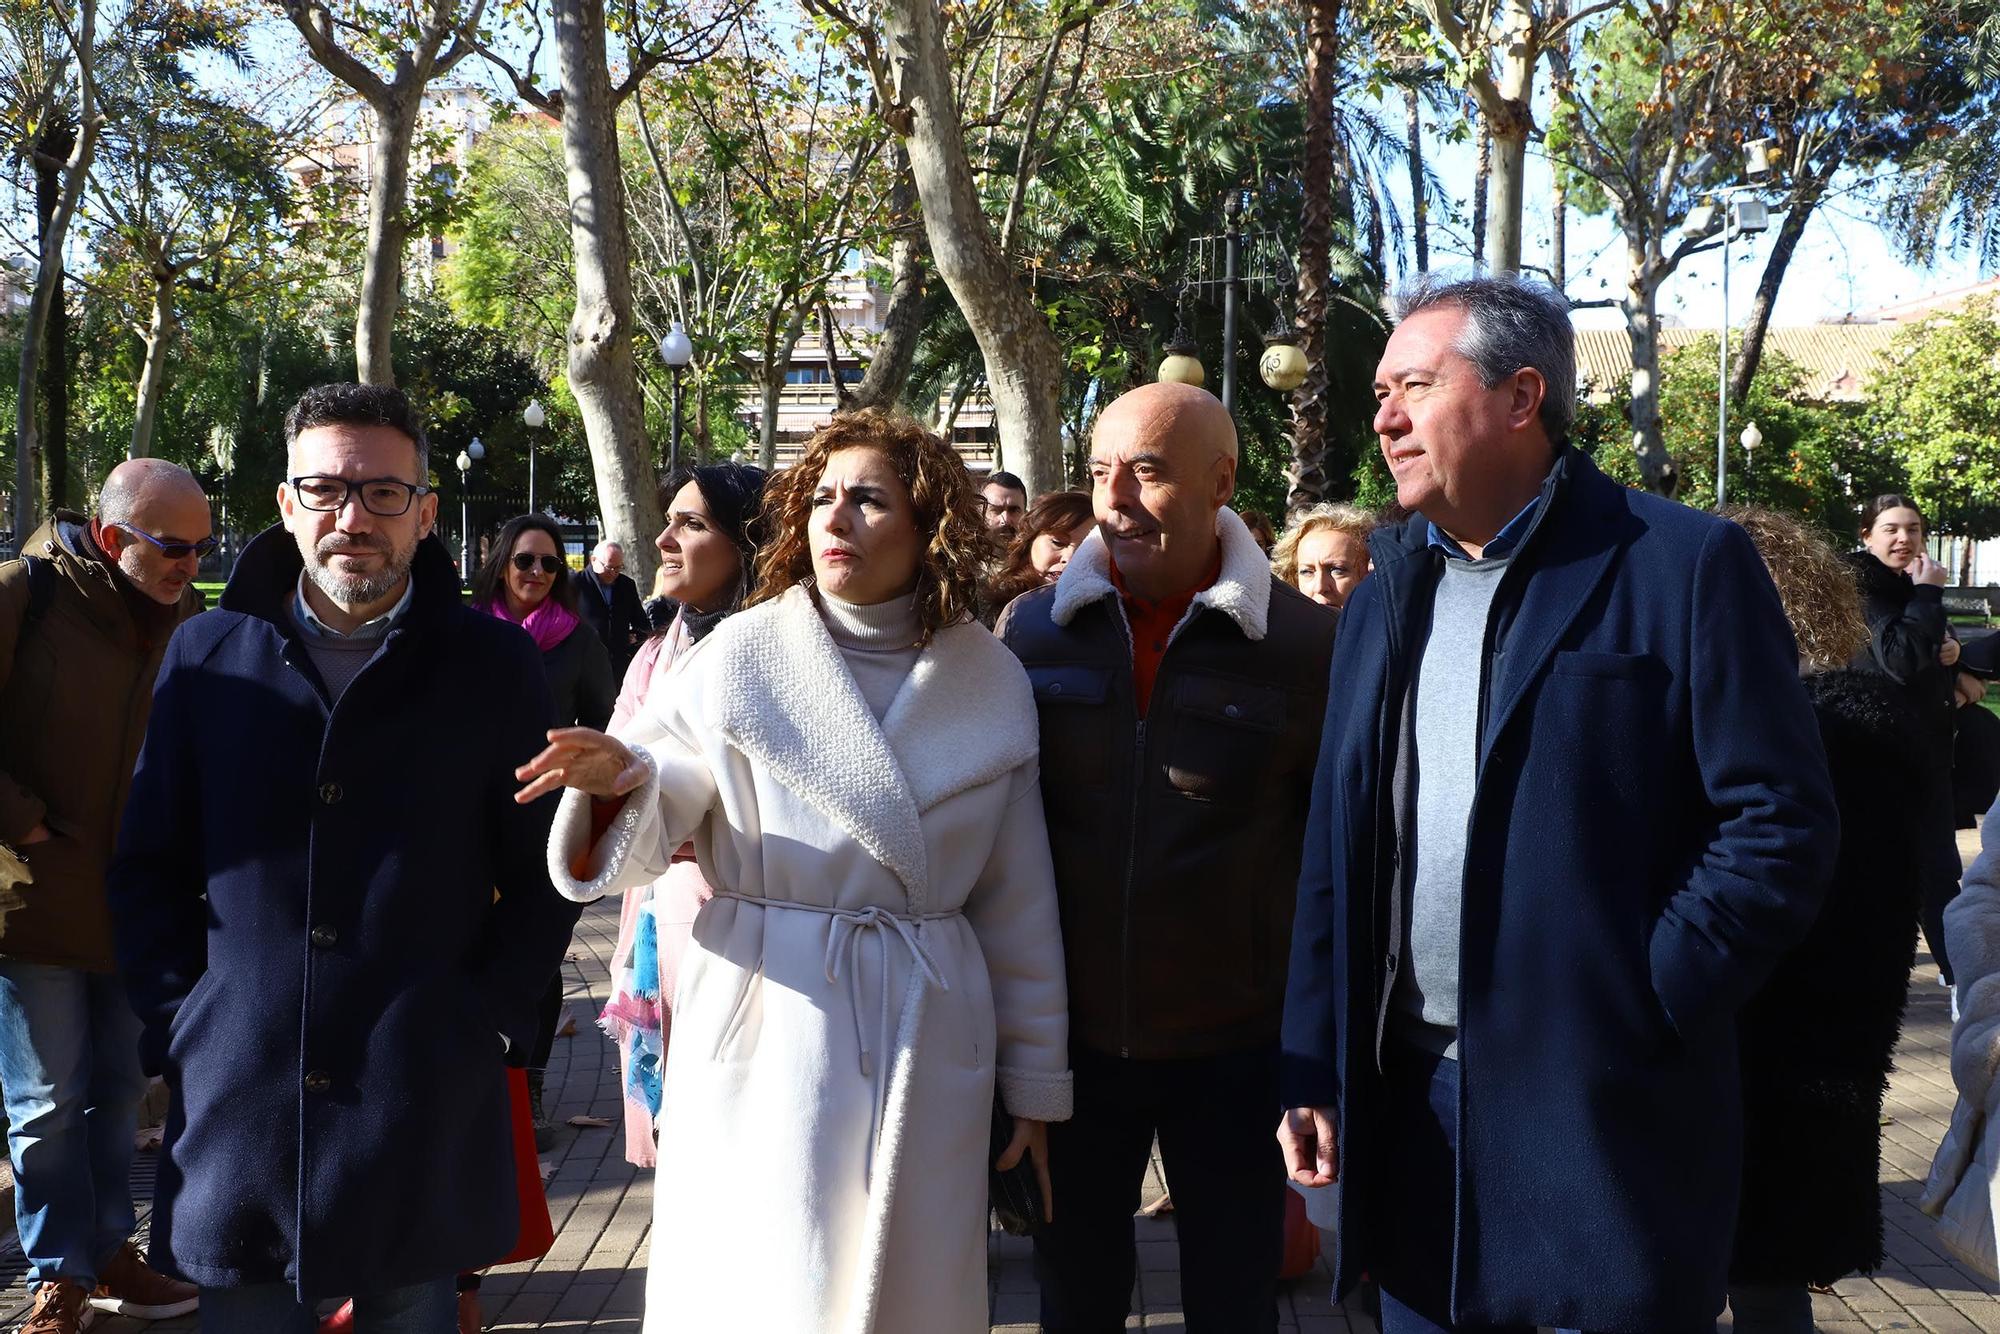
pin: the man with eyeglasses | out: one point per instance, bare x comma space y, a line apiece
84, 621
610, 604
334, 921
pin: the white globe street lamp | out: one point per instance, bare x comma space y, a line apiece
677, 350
532, 417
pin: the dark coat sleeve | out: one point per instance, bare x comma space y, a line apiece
155, 883
528, 929
596, 690
1309, 1072
630, 616
1754, 890
1906, 639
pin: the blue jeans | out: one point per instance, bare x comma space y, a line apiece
274, 1308
69, 1062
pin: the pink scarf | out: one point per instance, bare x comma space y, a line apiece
550, 623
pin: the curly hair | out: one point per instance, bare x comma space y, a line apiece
1349, 519
950, 517
1055, 512
1815, 586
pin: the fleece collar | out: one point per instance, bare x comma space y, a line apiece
1242, 592
964, 717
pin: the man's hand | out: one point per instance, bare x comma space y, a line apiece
1306, 1135
1924, 570
41, 833
582, 758
1031, 1137
1948, 652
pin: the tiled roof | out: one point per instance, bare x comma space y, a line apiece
1837, 359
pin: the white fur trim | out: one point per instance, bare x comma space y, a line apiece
1242, 591
1038, 1095
572, 828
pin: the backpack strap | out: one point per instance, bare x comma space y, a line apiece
41, 588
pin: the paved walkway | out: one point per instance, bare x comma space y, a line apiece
594, 1279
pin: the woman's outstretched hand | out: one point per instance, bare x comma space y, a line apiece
582, 758
1031, 1137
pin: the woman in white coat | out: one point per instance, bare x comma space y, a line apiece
854, 759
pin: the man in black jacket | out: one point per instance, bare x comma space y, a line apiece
1181, 689
609, 603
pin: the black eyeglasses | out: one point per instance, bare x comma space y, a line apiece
383, 496
526, 561
174, 550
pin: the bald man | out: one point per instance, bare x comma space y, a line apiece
84, 620
1181, 688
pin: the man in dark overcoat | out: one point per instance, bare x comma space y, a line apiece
1571, 808
610, 604
333, 918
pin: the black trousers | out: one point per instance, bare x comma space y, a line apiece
1217, 1120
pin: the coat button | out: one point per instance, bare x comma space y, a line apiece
318, 1081
330, 793
1055, 688
325, 937
1230, 711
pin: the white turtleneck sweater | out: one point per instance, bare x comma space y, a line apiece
879, 644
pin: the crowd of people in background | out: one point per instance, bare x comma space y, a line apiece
1541, 860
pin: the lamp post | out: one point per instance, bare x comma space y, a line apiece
1750, 440
468, 456
1739, 217
677, 350
532, 417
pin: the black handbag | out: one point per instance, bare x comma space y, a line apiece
1016, 1194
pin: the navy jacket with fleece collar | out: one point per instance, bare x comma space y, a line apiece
326, 916
1652, 828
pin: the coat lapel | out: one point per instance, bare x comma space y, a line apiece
1580, 547
787, 700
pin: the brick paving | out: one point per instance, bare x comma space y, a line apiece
594, 1278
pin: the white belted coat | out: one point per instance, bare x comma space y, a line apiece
883, 943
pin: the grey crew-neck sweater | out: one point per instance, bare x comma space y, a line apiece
1450, 684
878, 643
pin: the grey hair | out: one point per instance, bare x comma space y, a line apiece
1511, 323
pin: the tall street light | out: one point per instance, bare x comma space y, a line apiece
1739, 217
468, 456
532, 417
677, 350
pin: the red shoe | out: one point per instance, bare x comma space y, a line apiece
468, 1312
341, 1321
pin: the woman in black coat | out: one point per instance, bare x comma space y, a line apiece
1910, 642
1815, 1042
526, 580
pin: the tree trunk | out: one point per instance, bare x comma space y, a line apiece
55, 406
603, 373
159, 332
1642, 328
48, 282
1559, 238
770, 387
388, 234
1420, 204
1508, 136
1307, 473
1789, 231
1482, 173
902, 323
1023, 361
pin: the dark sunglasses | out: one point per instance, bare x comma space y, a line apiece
174, 550
525, 561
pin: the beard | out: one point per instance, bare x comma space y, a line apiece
359, 590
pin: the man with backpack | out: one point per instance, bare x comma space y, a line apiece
85, 616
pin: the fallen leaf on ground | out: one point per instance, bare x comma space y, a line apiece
591, 1122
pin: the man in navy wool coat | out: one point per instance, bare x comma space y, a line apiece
1571, 807
332, 917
